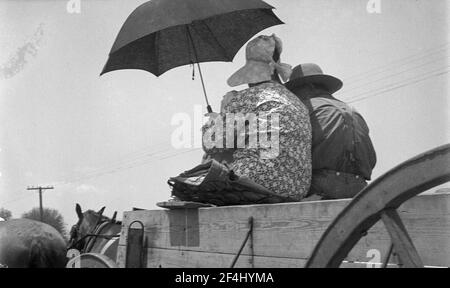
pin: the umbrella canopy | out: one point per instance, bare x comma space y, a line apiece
163, 34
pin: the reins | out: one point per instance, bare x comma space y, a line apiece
92, 233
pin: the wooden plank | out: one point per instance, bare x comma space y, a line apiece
231, 223
290, 231
402, 243
170, 258
182, 205
173, 258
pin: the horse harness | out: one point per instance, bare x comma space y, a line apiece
93, 235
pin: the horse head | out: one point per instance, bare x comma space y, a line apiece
87, 223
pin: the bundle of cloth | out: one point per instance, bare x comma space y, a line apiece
214, 183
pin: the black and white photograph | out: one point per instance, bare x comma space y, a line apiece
224, 134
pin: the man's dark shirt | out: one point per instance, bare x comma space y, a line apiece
340, 137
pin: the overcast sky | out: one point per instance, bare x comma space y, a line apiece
106, 140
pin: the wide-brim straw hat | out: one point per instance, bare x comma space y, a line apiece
260, 65
311, 73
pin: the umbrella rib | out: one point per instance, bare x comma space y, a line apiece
157, 35
224, 51
190, 44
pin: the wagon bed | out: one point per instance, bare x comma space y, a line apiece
284, 235
386, 224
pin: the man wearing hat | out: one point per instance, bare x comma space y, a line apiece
343, 156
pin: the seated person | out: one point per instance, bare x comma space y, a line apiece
343, 156
270, 137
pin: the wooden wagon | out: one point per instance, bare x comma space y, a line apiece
385, 225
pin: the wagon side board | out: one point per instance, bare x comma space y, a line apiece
284, 235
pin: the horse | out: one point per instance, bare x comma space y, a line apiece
25, 243
95, 233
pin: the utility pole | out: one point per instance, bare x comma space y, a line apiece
40, 189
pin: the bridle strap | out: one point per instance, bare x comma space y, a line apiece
96, 234
90, 234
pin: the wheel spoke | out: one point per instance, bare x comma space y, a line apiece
388, 191
388, 256
401, 241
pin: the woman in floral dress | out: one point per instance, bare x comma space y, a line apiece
285, 166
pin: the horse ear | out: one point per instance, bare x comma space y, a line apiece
78, 210
101, 210
113, 219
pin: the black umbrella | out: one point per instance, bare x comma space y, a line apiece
163, 34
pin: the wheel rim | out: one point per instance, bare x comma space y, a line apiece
379, 201
91, 260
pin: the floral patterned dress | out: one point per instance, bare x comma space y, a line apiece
285, 167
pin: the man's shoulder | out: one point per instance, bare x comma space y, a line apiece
328, 103
331, 107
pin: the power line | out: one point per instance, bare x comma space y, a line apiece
384, 86
16, 199
184, 152
119, 169
145, 162
404, 84
123, 162
371, 81
105, 173
132, 156
111, 170
137, 156
401, 62
108, 170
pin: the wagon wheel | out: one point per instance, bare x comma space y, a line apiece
379, 201
91, 260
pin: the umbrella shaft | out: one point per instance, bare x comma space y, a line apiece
199, 69
208, 107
